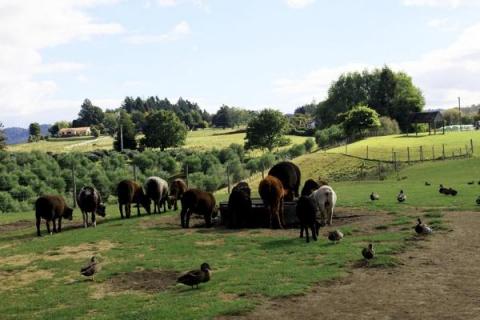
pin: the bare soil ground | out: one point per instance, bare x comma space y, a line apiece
438, 279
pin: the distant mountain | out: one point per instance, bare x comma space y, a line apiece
17, 135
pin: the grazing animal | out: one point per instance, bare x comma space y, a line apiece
443, 190
239, 206
427, 183
157, 190
478, 200
478, 182
198, 202
374, 196
289, 174
401, 197
177, 188
90, 201
90, 268
307, 215
129, 192
309, 186
195, 277
325, 198
422, 228
335, 236
272, 193
51, 208
471, 182
452, 192
368, 253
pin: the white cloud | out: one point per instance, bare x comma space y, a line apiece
179, 31
298, 4
442, 74
27, 27
167, 3
441, 3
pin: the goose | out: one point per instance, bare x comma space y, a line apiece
471, 182
90, 268
478, 200
427, 183
335, 236
195, 277
443, 190
401, 196
422, 228
374, 196
368, 253
452, 191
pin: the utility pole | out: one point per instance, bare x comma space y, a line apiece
459, 115
121, 136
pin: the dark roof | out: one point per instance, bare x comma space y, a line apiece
426, 117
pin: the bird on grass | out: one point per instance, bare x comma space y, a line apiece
452, 192
195, 277
443, 190
401, 196
374, 196
471, 182
335, 236
91, 268
478, 200
368, 253
427, 183
422, 228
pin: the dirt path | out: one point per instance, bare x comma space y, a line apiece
439, 279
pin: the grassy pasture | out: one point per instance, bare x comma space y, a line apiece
201, 140
381, 147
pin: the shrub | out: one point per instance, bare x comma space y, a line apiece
7, 181
22, 193
388, 126
296, 150
329, 136
309, 144
7, 203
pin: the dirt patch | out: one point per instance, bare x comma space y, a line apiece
150, 281
207, 243
80, 252
439, 278
228, 296
17, 225
17, 260
21, 278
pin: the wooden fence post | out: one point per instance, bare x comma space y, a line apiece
74, 185
395, 162
379, 171
471, 145
443, 151
408, 155
228, 179
421, 153
367, 152
433, 152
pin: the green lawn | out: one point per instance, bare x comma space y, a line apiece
382, 147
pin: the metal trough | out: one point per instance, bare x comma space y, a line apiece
260, 217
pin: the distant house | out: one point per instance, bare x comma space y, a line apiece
74, 132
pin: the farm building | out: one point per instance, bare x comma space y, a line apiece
75, 132
432, 118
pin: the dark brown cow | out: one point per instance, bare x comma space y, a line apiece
177, 188
289, 174
307, 215
50, 208
129, 192
272, 193
198, 202
309, 186
90, 201
239, 206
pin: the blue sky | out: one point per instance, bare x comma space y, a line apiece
252, 54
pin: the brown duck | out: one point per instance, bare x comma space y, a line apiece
195, 277
368, 253
91, 268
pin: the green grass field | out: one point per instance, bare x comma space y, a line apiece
381, 148
201, 140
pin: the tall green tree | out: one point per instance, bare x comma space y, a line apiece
163, 129
89, 115
126, 128
110, 122
3, 139
34, 132
359, 119
266, 130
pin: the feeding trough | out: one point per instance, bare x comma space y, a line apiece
260, 217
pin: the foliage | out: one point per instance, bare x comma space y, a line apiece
55, 128
163, 129
229, 117
127, 131
110, 123
301, 124
309, 144
390, 93
360, 119
266, 130
3, 139
34, 132
330, 136
388, 126
89, 115
95, 132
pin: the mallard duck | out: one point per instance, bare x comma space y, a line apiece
422, 228
368, 253
374, 196
335, 236
195, 277
401, 196
478, 200
91, 268
427, 183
